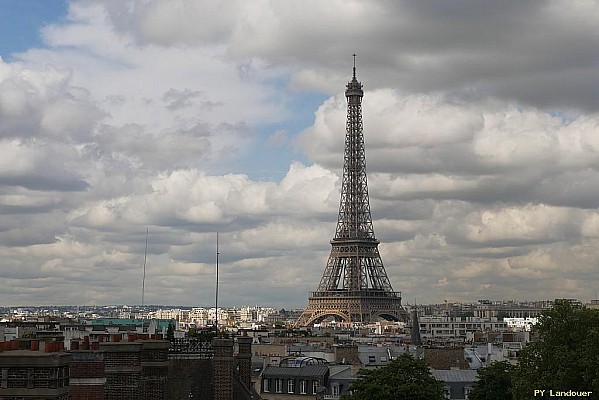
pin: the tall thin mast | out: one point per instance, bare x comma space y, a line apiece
216, 294
143, 281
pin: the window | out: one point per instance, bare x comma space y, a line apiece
446, 393
265, 385
335, 390
302, 387
290, 386
371, 359
314, 386
279, 385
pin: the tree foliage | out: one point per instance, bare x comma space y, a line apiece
405, 378
170, 332
566, 354
494, 382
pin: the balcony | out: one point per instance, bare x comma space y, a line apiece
356, 293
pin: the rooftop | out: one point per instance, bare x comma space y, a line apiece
305, 371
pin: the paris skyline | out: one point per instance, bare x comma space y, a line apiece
188, 118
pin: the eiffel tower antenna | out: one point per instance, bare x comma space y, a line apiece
354, 287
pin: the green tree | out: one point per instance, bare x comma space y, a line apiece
405, 378
170, 332
494, 383
566, 354
192, 332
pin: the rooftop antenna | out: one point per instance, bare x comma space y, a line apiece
143, 281
216, 294
354, 66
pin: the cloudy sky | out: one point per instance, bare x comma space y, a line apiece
187, 118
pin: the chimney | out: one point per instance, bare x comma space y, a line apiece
50, 347
244, 360
223, 365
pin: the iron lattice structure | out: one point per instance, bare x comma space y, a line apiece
354, 287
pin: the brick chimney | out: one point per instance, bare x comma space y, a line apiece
244, 360
223, 365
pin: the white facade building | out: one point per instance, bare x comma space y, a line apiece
521, 324
443, 327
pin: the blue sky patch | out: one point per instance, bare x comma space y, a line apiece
22, 20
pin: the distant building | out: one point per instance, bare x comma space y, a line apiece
593, 304
488, 309
378, 356
521, 324
463, 328
497, 347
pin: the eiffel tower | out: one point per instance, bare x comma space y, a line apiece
354, 287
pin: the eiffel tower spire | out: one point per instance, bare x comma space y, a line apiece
354, 286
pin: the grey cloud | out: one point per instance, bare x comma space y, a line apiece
58, 183
179, 148
26, 237
539, 53
180, 98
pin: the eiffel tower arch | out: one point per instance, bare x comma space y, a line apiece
354, 287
